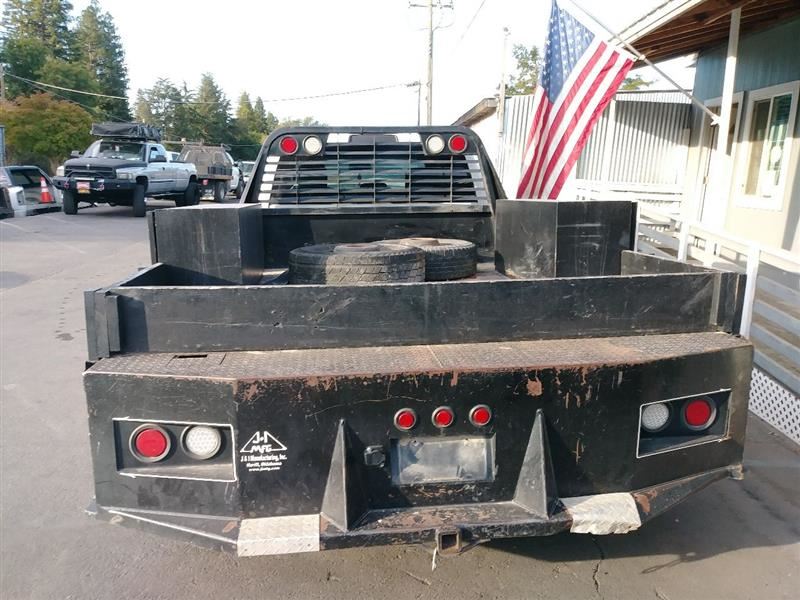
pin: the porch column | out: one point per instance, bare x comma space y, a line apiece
720, 187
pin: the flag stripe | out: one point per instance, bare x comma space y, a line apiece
580, 93
588, 96
576, 79
581, 74
561, 171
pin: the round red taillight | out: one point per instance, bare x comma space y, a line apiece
150, 443
443, 417
405, 419
699, 414
288, 145
457, 143
480, 415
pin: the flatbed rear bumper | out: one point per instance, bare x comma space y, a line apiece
302, 430
450, 528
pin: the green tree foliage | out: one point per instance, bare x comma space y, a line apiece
97, 47
74, 76
43, 130
44, 20
251, 125
636, 82
529, 63
24, 57
212, 108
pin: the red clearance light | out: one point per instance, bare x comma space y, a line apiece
480, 415
699, 413
288, 145
405, 419
457, 143
150, 443
443, 416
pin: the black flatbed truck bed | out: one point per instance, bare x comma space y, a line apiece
566, 333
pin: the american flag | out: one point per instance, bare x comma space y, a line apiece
581, 74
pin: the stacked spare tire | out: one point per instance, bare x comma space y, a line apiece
391, 261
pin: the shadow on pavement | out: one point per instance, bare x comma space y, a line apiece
761, 511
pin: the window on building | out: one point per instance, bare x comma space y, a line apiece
771, 117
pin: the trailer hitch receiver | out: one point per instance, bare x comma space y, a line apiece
449, 541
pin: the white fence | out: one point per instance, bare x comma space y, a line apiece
771, 317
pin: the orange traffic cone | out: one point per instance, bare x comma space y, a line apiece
47, 197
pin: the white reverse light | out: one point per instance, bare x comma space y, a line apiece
312, 145
655, 417
202, 441
435, 144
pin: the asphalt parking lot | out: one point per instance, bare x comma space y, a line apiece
732, 540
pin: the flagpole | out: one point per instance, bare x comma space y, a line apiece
639, 56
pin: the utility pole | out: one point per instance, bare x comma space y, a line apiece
2, 83
429, 95
431, 29
501, 102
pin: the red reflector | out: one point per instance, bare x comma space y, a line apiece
698, 413
480, 415
458, 143
288, 145
405, 419
443, 416
151, 443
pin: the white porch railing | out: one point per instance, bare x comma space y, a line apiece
771, 316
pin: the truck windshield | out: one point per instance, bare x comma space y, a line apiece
247, 167
118, 150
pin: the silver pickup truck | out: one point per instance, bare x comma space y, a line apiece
124, 167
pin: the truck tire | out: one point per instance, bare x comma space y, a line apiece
139, 205
220, 191
70, 203
376, 262
445, 258
191, 195
239, 188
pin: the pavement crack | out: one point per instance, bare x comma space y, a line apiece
596, 571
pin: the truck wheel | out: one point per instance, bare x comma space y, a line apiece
191, 195
239, 188
70, 203
376, 262
444, 258
139, 205
219, 191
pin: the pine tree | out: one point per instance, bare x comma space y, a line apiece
267, 121
212, 109
97, 46
44, 20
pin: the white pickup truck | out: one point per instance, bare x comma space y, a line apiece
122, 168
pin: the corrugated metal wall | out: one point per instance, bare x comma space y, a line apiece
647, 143
642, 138
519, 113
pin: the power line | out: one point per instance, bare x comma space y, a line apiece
85, 106
471, 21
65, 89
314, 96
273, 100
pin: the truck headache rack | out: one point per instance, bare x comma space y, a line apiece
371, 166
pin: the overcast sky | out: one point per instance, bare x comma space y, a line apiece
288, 48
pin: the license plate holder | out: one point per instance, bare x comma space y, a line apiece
442, 460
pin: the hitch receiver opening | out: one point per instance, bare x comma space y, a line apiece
448, 541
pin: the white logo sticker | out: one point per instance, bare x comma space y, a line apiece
262, 452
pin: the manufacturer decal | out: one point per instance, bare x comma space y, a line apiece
262, 452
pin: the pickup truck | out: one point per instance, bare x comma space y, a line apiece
377, 347
126, 165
